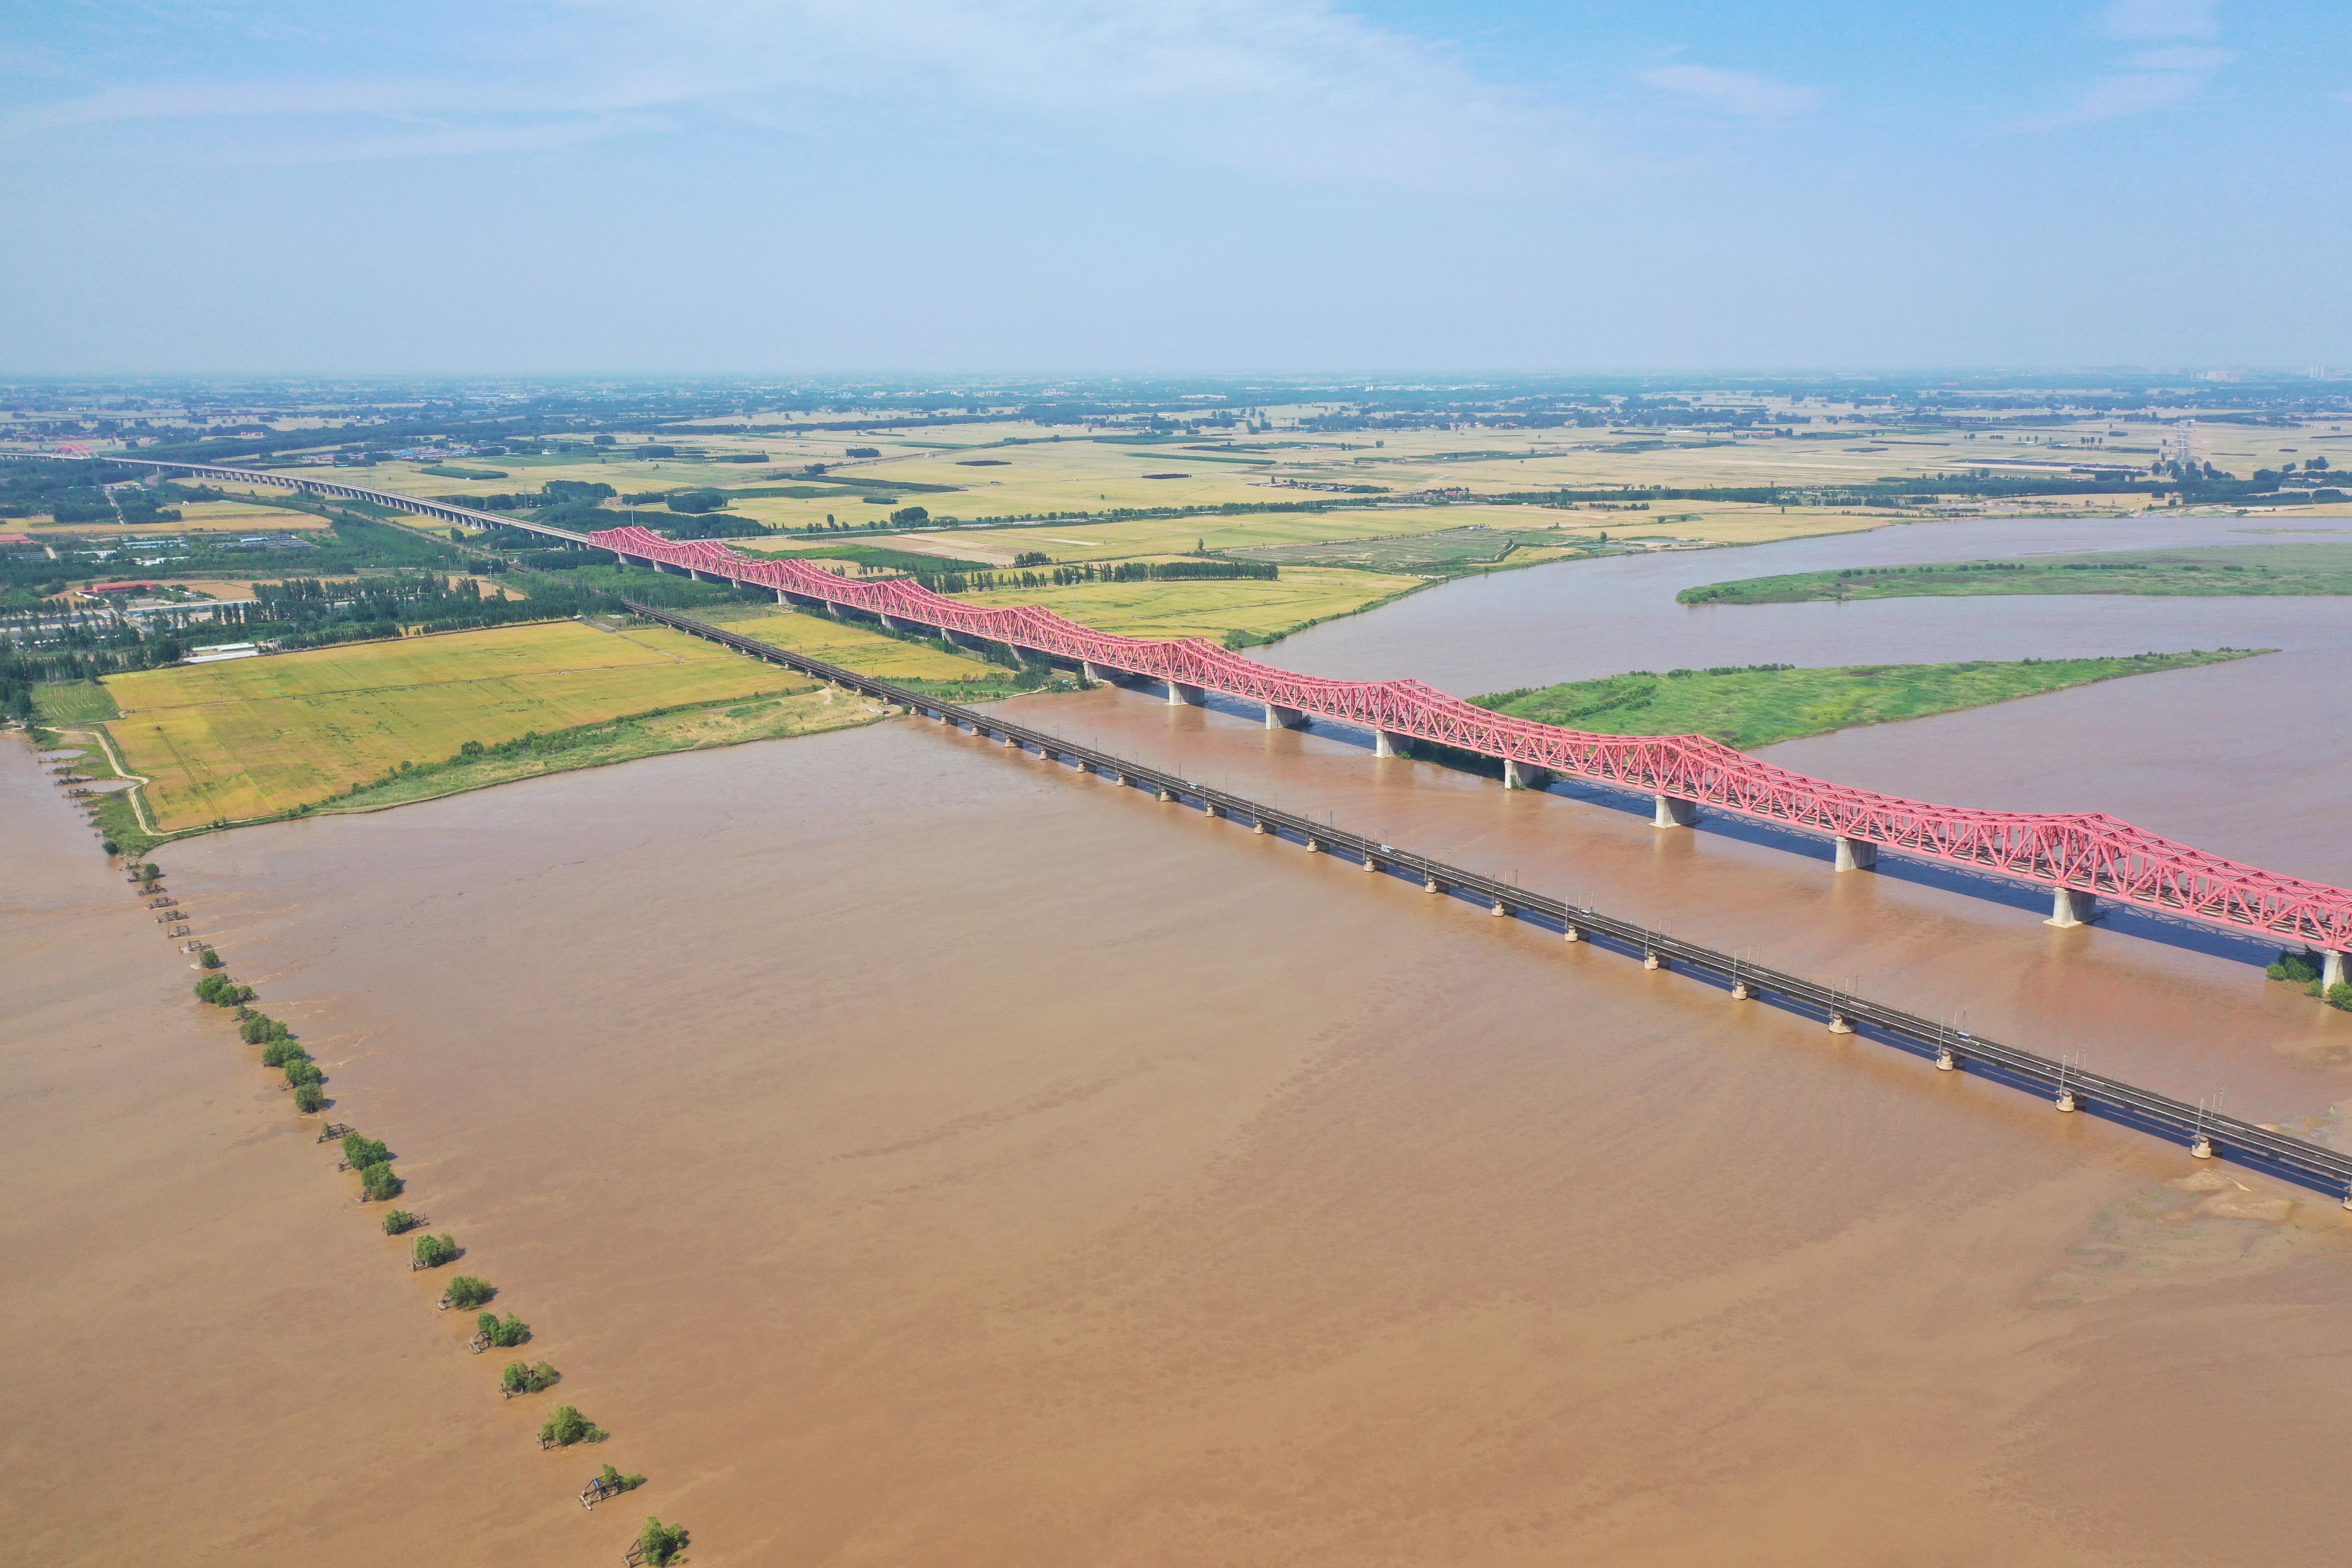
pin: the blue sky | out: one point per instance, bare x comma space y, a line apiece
1172, 184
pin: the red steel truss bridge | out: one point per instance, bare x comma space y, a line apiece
2081, 857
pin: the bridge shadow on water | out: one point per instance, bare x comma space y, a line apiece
1985, 886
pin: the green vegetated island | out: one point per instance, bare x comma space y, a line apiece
1755, 705
2216, 569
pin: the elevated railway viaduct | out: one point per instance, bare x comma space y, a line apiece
2080, 859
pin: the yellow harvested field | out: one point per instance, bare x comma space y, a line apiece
245, 517
1211, 608
255, 736
219, 517
1172, 536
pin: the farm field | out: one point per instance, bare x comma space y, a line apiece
1441, 550
228, 517
1755, 707
256, 736
851, 644
2229, 570
1211, 608
806, 711
1172, 536
72, 702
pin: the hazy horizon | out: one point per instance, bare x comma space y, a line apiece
716, 187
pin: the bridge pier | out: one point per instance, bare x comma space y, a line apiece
1183, 694
1389, 744
1524, 775
1277, 717
1675, 812
2331, 968
1101, 674
893, 624
2072, 907
1856, 854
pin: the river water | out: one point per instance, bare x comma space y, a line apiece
914, 1154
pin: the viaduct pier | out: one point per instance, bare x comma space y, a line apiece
2080, 860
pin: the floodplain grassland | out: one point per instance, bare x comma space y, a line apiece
2229, 570
1757, 706
254, 737
1213, 607
806, 711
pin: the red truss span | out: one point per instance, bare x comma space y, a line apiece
2088, 851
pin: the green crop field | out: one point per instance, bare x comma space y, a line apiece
1757, 706
256, 736
885, 559
1211, 608
72, 702
1246, 535
2221, 569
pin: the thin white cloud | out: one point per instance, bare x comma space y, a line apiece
2158, 19
2158, 79
445, 142
2114, 97
2182, 59
1736, 92
1289, 87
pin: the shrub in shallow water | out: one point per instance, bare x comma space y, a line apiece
466, 1291
568, 1426
505, 1332
661, 1542
522, 1377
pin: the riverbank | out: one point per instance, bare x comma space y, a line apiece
2213, 571
1761, 704
214, 1358
1123, 1258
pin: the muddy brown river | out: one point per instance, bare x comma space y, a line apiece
918, 1154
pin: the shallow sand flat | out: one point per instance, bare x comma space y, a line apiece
916, 1155
214, 1356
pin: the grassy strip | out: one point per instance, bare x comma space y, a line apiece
2222, 569
806, 711
1763, 703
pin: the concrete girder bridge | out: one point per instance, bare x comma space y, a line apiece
2080, 859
